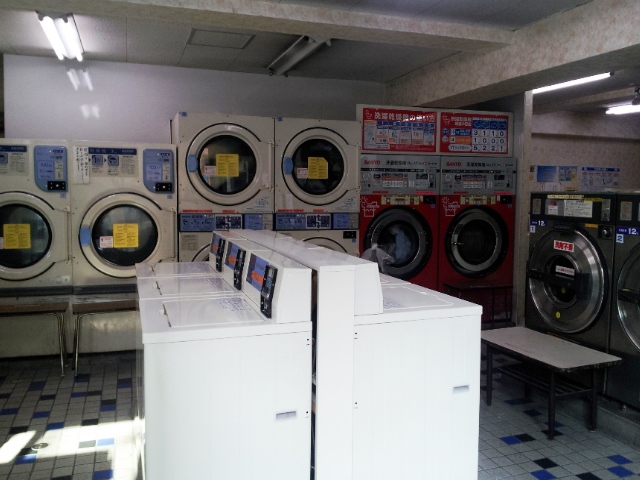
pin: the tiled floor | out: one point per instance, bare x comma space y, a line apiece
513, 442
84, 426
88, 428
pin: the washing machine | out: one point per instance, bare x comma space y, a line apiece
477, 228
623, 381
124, 212
399, 214
335, 231
571, 251
225, 176
35, 217
416, 381
243, 372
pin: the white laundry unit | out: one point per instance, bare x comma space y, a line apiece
174, 269
35, 217
416, 384
316, 165
225, 175
231, 377
124, 212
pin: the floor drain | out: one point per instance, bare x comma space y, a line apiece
39, 446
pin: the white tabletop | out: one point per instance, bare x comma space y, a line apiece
547, 349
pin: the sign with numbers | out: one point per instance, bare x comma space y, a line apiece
399, 130
474, 133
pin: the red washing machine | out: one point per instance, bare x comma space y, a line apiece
477, 219
399, 214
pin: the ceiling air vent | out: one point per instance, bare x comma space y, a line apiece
209, 38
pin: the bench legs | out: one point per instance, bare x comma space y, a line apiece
61, 341
489, 374
551, 419
594, 401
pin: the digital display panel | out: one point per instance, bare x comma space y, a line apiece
256, 271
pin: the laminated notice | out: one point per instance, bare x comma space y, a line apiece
16, 236
228, 165
125, 235
318, 168
577, 208
210, 171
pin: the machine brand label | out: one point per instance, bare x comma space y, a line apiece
372, 162
563, 246
454, 164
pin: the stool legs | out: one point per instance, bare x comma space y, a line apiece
61, 340
76, 343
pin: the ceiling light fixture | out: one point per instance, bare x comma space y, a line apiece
572, 83
633, 107
302, 48
63, 35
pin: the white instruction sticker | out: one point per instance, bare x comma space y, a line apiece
577, 208
106, 242
565, 271
234, 304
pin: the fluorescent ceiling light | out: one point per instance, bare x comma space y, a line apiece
622, 109
572, 83
63, 35
302, 48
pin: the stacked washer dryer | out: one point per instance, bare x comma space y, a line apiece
623, 381
399, 214
124, 212
571, 248
316, 182
477, 226
225, 175
35, 217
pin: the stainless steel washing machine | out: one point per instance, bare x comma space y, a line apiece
623, 381
571, 248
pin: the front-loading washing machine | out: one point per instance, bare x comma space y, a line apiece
623, 381
571, 249
225, 176
35, 217
400, 216
124, 212
477, 231
316, 182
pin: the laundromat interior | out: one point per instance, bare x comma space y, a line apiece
313, 239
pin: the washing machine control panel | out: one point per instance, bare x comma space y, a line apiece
346, 221
478, 176
50, 166
303, 221
398, 174
158, 170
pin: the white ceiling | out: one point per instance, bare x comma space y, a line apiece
364, 46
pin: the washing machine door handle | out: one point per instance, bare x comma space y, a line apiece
628, 295
576, 283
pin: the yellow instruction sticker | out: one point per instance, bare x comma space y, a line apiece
318, 168
125, 235
227, 165
16, 236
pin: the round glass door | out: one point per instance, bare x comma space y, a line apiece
315, 166
226, 165
26, 235
476, 242
123, 229
403, 235
124, 235
628, 296
318, 166
569, 285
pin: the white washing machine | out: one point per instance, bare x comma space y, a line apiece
230, 376
124, 212
316, 182
174, 269
225, 175
316, 166
416, 381
35, 217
